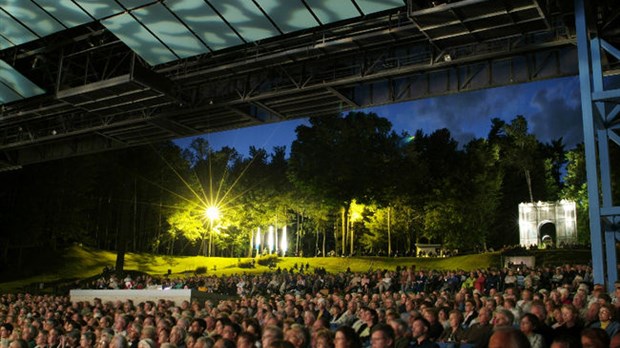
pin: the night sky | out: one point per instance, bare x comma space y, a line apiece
551, 107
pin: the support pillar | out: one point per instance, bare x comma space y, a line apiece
599, 115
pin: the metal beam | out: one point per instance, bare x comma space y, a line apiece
604, 214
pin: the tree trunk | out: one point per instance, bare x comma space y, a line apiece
528, 179
249, 254
344, 229
299, 230
324, 237
351, 233
389, 226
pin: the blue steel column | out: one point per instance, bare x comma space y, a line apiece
585, 81
596, 120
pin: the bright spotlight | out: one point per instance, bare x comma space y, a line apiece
283, 241
213, 213
257, 239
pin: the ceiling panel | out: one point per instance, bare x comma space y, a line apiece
31, 15
132, 4
289, 15
67, 12
8, 95
331, 11
169, 30
372, 6
101, 8
15, 85
233, 22
13, 31
4, 43
246, 18
203, 21
140, 40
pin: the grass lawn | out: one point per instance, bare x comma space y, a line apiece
82, 262
77, 262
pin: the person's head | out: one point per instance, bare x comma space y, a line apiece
297, 335
279, 344
419, 328
320, 323
53, 338
224, 343
41, 339
6, 330
529, 323
508, 337
87, 339
565, 341
323, 339
198, 326
484, 316
270, 334
177, 335
201, 342
470, 305
119, 341
569, 314
538, 309
399, 326
18, 343
134, 331
606, 313
146, 343
455, 318
382, 336
252, 326
594, 338
245, 340
346, 337
231, 330
372, 317
430, 314
503, 317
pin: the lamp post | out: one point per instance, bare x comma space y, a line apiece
212, 213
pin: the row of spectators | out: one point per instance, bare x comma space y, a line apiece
407, 279
329, 310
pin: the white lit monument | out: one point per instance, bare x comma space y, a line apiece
561, 215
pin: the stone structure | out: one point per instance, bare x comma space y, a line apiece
548, 223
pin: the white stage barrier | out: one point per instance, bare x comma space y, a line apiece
137, 296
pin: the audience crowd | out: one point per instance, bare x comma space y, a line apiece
303, 308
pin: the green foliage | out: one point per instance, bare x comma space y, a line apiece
152, 199
576, 189
201, 270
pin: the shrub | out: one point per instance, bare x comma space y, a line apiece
246, 264
269, 260
201, 270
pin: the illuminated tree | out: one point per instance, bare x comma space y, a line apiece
343, 158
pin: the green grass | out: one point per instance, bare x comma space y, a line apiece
79, 262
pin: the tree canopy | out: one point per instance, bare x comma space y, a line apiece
350, 185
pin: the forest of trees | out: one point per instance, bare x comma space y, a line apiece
350, 185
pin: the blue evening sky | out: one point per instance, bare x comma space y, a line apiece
551, 107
